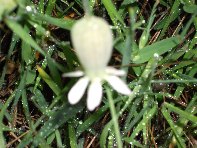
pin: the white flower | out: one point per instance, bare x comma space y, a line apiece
93, 42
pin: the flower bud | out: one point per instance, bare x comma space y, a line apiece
92, 40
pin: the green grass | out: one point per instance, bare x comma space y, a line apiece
154, 42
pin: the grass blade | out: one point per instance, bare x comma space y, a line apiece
159, 47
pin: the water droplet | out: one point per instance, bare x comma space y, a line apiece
28, 8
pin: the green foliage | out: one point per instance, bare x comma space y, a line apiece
157, 50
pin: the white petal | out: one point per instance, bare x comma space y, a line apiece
74, 74
118, 85
94, 95
113, 71
78, 90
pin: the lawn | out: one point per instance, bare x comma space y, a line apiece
126, 76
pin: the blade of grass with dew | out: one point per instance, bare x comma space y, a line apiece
58, 138
132, 113
183, 121
126, 54
161, 95
51, 138
40, 31
44, 145
183, 64
43, 66
7, 115
17, 28
2, 113
146, 33
50, 7
48, 80
187, 2
159, 47
26, 108
104, 134
72, 136
190, 8
162, 23
182, 113
20, 88
2, 139
146, 98
173, 12
188, 55
27, 53
187, 26
180, 140
127, 2
179, 89
41, 5
174, 81
189, 78
114, 15
194, 40
174, 56
57, 118
132, 15
53, 68
54, 73
14, 40
80, 143
136, 118
70, 56
110, 139
40, 102
137, 144
31, 75
129, 44
142, 123
62, 23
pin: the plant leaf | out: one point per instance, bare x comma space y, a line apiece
160, 47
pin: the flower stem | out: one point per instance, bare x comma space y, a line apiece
86, 7
114, 118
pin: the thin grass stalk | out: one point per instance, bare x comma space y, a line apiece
114, 118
